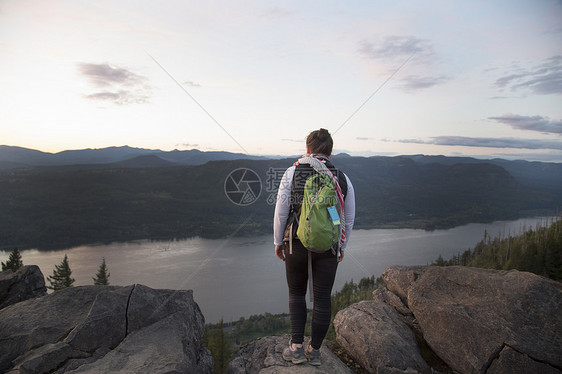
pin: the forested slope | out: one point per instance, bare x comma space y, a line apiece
536, 249
62, 206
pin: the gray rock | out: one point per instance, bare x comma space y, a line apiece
26, 283
147, 306
106, 322
398, 279
165, 346
377, 337
510, 361
93, 329
29, 325
383, 294
46, 358
471, 316
264, 356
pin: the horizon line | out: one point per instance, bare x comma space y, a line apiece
517, 157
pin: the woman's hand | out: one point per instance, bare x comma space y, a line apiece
280, 252
340, 259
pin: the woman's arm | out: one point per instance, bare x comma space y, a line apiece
349, 211
282, 206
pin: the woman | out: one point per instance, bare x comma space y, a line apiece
323, 265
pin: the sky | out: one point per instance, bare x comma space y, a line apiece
445, 77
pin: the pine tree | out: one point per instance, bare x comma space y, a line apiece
14, 261
219, 347
102, 275
61, 276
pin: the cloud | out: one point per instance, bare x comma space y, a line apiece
112, 96
543, 79
361, 153
393, 46
119, 85
363, 138
191, 84
120, 97
503, 97
187, 145
396, 46
103, 75
531, 123
292, 140
400, 48
463, 141
416, 82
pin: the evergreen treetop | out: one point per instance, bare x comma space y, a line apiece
102, 275
14, 261
61, 276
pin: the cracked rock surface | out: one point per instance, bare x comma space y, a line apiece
26, 283
473, 320
93, 329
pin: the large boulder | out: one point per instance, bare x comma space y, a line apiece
470, 316
94, 329
377, 337
264, 356
26, 283
479, 320
465, 320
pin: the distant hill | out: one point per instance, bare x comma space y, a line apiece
145, 161
401, 192
151, 197
14, 157
531, 173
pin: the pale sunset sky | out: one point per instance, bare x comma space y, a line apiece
472, 78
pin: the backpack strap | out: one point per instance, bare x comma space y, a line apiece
310, 285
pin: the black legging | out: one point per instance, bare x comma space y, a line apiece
324, 266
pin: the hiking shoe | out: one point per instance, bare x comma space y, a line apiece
296, 356
313, 356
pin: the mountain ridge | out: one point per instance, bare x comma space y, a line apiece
545, 174
13, 156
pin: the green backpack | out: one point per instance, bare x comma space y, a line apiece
318, 228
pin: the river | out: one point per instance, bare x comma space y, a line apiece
239, 277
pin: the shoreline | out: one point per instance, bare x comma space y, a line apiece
425, 225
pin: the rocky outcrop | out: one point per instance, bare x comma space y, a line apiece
474, 320
379, 338
426, 320
26, 283
264, 356
96, 329
470, 316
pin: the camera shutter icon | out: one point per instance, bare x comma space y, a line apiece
242, 186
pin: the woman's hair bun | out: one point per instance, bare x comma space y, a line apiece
320, 141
